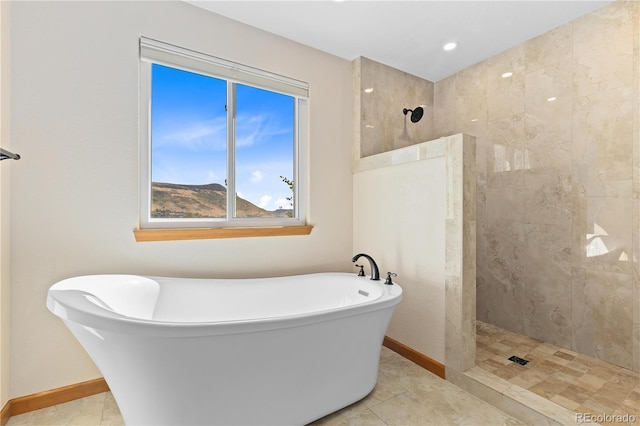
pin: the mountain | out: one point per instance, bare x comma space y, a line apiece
171, 200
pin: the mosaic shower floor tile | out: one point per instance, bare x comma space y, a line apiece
577, 382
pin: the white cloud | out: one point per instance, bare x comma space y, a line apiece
254, 128
211, 134
213, 176
249, 129
283, 203
256, 176
264, 201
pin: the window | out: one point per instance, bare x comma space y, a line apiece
222, 144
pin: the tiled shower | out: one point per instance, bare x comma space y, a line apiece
557, 127
558, 150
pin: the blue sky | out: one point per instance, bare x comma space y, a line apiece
189, 135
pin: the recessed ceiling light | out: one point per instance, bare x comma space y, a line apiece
551, 99
450, 46
507, 74
368, 90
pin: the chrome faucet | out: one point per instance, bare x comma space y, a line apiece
375, 273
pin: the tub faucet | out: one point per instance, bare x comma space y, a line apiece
375, 273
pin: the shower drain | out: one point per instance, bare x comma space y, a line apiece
518, 360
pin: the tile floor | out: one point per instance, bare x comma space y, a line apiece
406, 394
575, 381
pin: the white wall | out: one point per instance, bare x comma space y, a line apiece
74, 69
5, 167
399, 219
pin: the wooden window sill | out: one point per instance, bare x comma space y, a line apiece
144, 235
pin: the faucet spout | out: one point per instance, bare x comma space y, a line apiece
375, 273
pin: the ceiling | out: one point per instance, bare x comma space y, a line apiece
407, 35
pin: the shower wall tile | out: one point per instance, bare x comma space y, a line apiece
444, 112
481, 248
501, 228
471, 110
504, 206
603, 49
549, 199
548, 49
505, 247
547, 283
505, 273
507, 158
505, 94
548, 252
636, 189
470, 117
471, 100
548, 102
636, 347
548, 131
460, 253
602, 315
383, 126
604, 230
548, 145
558, 190
603, 142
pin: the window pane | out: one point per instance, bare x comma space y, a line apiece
188, 145
264, 153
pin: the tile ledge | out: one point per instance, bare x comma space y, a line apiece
420, 151
555, 413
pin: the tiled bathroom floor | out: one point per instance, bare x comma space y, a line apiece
575, 381
406, 394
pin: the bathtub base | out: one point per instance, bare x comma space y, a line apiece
289, 376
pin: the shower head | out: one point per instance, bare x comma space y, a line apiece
416, 114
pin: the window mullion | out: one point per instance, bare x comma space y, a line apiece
231, 150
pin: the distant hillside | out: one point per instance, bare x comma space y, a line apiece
170, 200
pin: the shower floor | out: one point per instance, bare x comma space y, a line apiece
575, 381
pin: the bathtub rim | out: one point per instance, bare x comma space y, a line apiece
73, 306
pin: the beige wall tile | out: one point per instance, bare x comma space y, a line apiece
547, 283
602, 315
445, 109
548, 49
603, 49
549, 199
603, 239
505, 92
383, 126
603, 141
548, 101
507, 157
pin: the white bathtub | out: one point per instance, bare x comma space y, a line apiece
268, 351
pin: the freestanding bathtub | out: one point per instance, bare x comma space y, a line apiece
267, 351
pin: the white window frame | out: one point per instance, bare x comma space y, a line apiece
156, 52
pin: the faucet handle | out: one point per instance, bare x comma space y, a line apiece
388, 281
361, 273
